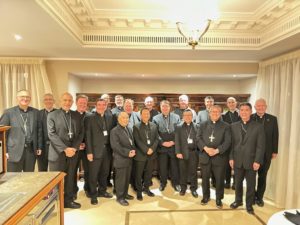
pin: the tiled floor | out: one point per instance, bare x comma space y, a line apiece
166, 208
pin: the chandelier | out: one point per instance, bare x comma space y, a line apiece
193, 33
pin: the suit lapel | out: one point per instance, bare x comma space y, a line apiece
248, 133
19, 117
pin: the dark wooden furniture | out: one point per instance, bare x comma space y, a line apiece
3, 130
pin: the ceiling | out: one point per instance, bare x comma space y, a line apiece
141, 30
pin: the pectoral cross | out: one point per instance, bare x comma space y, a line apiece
211, 138
70, 134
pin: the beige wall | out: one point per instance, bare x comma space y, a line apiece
59, 70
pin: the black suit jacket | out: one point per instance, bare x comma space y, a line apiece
222, 141
245, 151
43, 137
58, 133
230, 118
272, 134
181, 136
139, 134
121, 146
95, 139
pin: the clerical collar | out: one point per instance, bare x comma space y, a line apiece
23, 110
49, 110
260, 116
245, 122
81, 113
66, 112
145, 123
188, 124
100, 114
214, 122
165, 116
233, 111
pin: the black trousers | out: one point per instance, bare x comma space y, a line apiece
228, 170
98, 172
219, 174
67, 165
262, 179
166, 161
85, 163
143, 172
26, 163
122, 181
42, 159
188, 171
250, 175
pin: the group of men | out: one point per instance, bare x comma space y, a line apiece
127, 144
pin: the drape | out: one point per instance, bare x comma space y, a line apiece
278, 82
22, 73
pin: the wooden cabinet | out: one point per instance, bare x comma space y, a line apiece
3, 131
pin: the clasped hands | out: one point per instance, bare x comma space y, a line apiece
211, 151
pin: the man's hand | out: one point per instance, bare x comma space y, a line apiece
274, 155
167, 144
179, 156
82, 146
131, 153
231, 163
256, 166
150, 151
70, 152
38, 152
90, 157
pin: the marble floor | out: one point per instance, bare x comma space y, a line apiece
166, 208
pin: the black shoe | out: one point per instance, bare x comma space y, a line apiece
250, 210
259, 202
109, 184
162, 187
75, 197
182, 192
129, 197
204, 201
195, 194
227, 186
72, 205
139, 196
123, 202
94, 201
149, 193
234, 205
233, 187
219, 203
177, 188
105, 195
87, 194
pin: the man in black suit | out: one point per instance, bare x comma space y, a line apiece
149, 104
246, 155
44, 139
186, 152
82, 161
213, 139
23, 143
65, 130
98, 127
166, 123
271, 130
122, 143
146, 138
231, 116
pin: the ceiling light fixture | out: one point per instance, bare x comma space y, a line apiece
18, 37
193, 34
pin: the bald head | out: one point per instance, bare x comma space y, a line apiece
123, 119
260, 106
66, 101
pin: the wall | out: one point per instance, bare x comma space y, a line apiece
74, 86
58, 72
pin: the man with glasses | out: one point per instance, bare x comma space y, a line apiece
22, 138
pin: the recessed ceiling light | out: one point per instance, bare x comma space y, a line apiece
188, 75
143, 75
234, 75
18, 37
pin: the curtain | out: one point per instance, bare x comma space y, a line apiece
22, 73
278, 82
